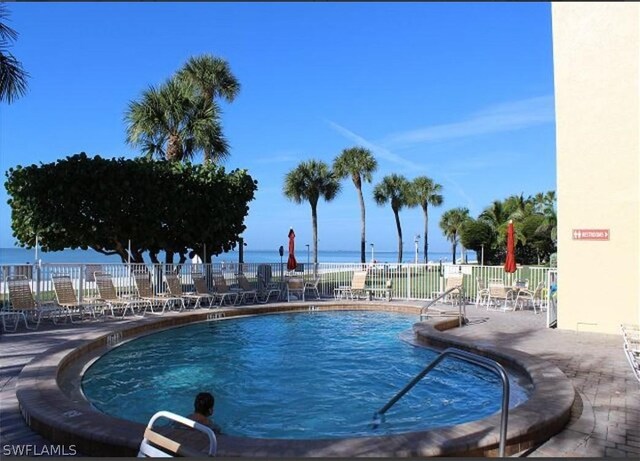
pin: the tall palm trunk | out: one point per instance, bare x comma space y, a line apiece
397, 215
208, 152
454, 245
426, 234
314, 221
362, 228
174, 148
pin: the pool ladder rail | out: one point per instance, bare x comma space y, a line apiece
424, 312
484, 362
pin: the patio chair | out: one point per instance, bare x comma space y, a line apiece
482, 295
145, 292
313, 287
267, 290
157, 443
200, 284
174, 287
295, 287
108, 295
24, 306
500, 293
223, 293
356, 288
67, 298
247, 293
525, 296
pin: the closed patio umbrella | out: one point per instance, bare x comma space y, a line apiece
510, 263
291, 262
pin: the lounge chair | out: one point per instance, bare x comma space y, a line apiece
247, 293
356, 288
107, 294
145, 292
295, 287
200, 284
312, 287
267, 290
24, 306
67, 298
223, 293
157, 443
174, 287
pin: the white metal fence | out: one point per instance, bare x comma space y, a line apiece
406, 281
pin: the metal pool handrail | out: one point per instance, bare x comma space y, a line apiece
483, 362
425, 309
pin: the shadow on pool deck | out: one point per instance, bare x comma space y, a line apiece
605, 420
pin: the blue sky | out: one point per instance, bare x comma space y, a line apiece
460, 92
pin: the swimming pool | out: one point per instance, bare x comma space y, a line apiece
294, 376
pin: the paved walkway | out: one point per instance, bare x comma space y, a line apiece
606, 420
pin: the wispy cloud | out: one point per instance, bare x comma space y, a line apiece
455, 185
508, 116
379, 150
286, 158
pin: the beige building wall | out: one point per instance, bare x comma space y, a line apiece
596, 49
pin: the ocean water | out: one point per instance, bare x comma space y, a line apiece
23, 256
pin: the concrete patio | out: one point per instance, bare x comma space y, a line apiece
606, 415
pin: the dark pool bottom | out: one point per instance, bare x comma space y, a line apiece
95, 433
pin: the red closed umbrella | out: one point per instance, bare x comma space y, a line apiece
291, 262
510, 263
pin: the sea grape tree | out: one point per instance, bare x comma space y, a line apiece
98, 203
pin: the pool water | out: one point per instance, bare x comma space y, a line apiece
294, 376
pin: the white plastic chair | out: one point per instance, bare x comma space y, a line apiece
156, 445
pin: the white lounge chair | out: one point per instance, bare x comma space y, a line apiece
108, 295
145, 292
200, 284
223, 292
67, 298
174, 287
25, 307
356, 288
247, 293
157, 445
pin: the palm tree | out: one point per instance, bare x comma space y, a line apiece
426, 192
211, 77
545, 204
13, 78
451, 223
358, 163
309, 181
395, 190
170, 122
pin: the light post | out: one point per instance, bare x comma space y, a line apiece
417, 239
372, 258
482, 255
308, 256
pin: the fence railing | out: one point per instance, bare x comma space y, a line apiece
406, 281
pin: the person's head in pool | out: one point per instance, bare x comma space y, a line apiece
204, 403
